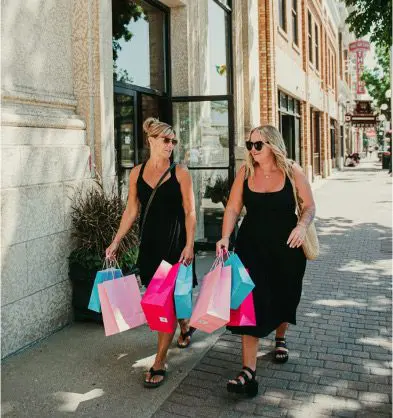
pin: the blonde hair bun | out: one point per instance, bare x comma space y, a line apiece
147, 124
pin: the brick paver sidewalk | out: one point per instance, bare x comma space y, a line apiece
340, 351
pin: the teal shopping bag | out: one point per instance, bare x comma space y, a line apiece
242, 283
183, 292
101, 276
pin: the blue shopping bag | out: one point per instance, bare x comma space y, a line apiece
183, 292
101, 276
242, 283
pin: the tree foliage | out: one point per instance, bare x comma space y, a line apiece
378, 79
371, 17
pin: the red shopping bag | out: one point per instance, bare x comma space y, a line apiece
158, 302
244, 315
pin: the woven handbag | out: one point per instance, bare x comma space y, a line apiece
311, 244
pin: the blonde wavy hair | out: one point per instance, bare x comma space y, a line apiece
276, 143
154, 127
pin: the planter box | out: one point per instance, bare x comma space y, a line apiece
82, 284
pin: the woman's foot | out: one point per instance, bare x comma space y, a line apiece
186, 332
155, 376
281, 352
244, 383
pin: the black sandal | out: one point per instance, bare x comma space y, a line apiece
250, 385
185, 335
149, 384
281, 354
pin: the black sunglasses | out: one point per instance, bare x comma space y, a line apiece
258, 145
167, 141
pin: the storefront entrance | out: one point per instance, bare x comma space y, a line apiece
203, 121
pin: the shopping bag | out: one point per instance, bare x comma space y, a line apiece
242, 283
244, 315
157, 302
121, 304
101, 276
183, 292
212, 308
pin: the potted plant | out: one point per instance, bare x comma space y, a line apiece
95, 217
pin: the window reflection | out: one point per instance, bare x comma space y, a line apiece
138, 46
211, 192
203, 131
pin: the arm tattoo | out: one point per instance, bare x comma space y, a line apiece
307, 216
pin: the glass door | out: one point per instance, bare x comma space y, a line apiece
203, 127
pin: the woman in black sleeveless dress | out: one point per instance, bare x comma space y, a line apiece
268, 243
169, 229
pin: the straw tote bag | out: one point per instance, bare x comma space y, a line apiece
311, 243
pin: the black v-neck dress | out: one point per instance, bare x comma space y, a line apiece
164, 235
276, 269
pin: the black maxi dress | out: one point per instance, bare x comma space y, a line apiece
164, 236
276, 269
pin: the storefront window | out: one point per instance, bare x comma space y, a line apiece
138, 44
217, 70
203, 130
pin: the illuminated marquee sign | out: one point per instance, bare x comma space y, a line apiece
360, 48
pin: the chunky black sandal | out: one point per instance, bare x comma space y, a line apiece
149, 384
249, 387
186, 335
281, 354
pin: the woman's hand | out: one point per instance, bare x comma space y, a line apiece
110, 252
187, 255
296, 238
223, 243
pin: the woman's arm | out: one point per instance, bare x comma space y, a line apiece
129, 215
187, 193
305, 197
232, 210
307, 206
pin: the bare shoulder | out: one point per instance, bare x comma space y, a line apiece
182, 172
241, 173
297, 170
134, 173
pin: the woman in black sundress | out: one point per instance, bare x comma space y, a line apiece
169, 228
268, 243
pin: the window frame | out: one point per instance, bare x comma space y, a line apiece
282, 15
310, 37
316, 46
295, 22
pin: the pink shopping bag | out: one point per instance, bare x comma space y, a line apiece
121, 304
244, 315
157, 302
212, 308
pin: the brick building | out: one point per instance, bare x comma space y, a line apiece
304, 86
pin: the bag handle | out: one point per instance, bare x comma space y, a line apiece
152, 195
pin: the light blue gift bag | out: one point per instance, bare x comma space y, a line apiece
183, 292
242, 283
101, 276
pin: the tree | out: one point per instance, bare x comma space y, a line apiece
373, 17
378, 79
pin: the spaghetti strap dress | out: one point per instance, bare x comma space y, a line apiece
164, 235
276, 269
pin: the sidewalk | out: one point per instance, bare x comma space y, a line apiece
339, 351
